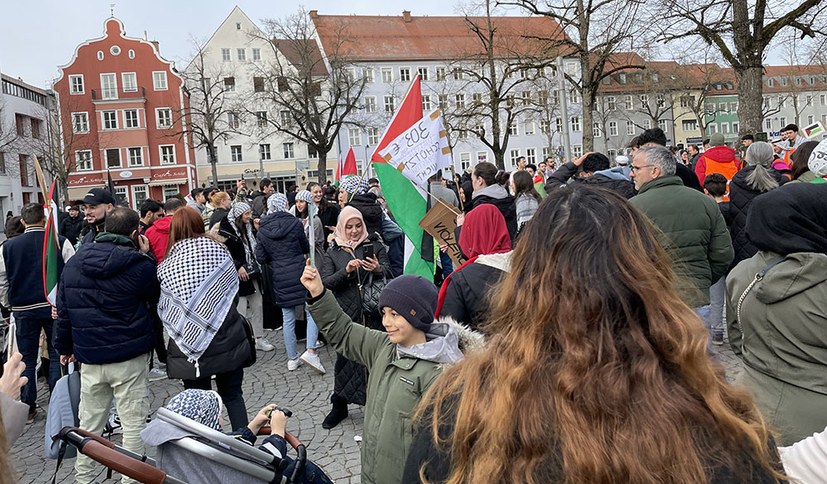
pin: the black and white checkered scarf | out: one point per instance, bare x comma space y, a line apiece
198, 284
245, 234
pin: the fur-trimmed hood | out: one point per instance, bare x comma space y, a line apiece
446, 342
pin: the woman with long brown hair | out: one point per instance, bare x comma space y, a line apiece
603, 378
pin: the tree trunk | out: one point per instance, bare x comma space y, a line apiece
213, 163
750, 99
322, 166
588, 122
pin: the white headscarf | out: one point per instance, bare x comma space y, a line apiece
247, 239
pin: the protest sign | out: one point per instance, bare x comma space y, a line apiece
420, 151
814, 130
441, 223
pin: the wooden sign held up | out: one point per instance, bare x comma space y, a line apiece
441, 223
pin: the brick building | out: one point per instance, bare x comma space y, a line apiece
119, 104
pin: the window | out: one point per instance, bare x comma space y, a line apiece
810, 120
238, 25
464, 161
660, 101
242, 54
662, 124
577, 151
368, 73
531, 155
256, 54
426, 103
373, 136
574, 96
136, 156
458, 74
644, 101
163, 117
558, 124
261, 119
370, 104
482, 156
782, 121
512, 129
285, 117
809, 101
529, 127
387, 75
264, 152
113, 158
525, 96
83, 160
390, 104
781, 101
76, 84
770, 82
622, 78
167, 154
596, 130
288, 150
229, 84
354, 137
139, 195
80, 122
235, 153
612, 128
130, 118
611, 104
689, 125
423, 73
732, 108
687, 101
233, 120
784, 81
129, 82
258, 84
647, 123
575, 123
109, 86
628, 103
514, 155
725, 128
159, 81
110, 120
735, 127
443, 102
225, 55
440, 73
712, 128
404, 73
768, 124
630, 128
459, 99
131, 54
799, 81
100, 55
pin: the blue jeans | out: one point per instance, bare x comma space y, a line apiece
717, 295
28, 340
447, 264
703, 313
289, 331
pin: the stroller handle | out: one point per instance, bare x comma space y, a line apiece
290, 438
295, 443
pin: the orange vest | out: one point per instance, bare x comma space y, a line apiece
728, 169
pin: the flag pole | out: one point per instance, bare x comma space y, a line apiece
40, 179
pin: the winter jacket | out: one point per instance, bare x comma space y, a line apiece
398, 377
283, 246
497, 195
21, 277
217, 215
526, 205
14, 414
259, 205
693, 232
329, 217
468, 296
229, 350
158, 236
741, 195
444, 193
621, 186
104, 302
206, 215
71, 227
718, 159
779, 334
235, 246
368, 204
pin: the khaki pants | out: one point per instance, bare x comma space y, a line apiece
126, 382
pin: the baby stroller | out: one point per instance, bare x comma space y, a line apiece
245, 462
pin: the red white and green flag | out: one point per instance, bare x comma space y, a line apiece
51, 247
346, 168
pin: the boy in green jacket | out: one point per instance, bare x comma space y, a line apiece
402, 362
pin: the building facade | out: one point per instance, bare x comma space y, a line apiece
25, 111
120, 108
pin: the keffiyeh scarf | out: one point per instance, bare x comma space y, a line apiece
246, 234
354, 185
277, 202
202, 406
198, 284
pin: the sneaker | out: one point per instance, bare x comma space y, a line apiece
263, 345
718, 338
156, 374
320, 344
313, 360
113, 425
293, 364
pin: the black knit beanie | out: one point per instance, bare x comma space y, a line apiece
413, 297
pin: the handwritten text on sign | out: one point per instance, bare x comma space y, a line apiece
421, 150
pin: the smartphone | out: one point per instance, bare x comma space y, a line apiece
369, 254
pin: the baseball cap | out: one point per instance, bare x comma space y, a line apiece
97, 196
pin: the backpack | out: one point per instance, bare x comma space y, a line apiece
63, 411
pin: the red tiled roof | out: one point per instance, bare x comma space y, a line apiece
386, 38
297, 52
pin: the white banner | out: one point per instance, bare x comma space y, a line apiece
421, 150
818, 159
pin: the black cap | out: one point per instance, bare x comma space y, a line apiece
97, 196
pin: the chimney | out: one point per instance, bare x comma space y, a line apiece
314, 14
406, 16
157, 46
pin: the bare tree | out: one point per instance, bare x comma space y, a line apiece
309, 97
8, 131
742, 30
595, 33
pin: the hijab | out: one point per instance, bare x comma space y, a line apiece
246, 233
484, 232
347, 214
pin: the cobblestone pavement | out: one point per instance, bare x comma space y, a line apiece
268, 381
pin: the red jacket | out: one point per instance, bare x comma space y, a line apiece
158, 236
720, 159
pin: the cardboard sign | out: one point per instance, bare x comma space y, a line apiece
420, 151
441, 223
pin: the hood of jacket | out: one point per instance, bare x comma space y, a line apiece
109, 256
721, 154
797, 273
663, 181
740, 178
497, 261
446, 341
615, 173
494, 191
162, 225
277, 225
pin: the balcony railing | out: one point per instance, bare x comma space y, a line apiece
120, 95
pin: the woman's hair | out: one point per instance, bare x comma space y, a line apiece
800, 157
186, 223
217, 197
486, 171
503, 177
524, 183
606, 378
324, 204
760, 155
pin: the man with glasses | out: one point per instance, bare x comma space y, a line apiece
694, 231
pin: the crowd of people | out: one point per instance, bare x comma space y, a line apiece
575, 343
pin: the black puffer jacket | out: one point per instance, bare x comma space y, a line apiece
741, 195
236, 247
467, 297
561, 176
498, 197
282, 245
229, 350
371, 211
71, 227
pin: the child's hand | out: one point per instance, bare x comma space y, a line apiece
278, 422
261, 419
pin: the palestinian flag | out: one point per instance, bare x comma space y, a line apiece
348, 168
407, 202
51, 247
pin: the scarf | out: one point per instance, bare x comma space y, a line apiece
340, 235
354, 185
484, 232
198, 285
305, 196
248, 241
202, 406
277, 202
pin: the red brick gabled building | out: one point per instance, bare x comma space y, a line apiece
120, 105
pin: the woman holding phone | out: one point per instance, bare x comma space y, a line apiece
348, 262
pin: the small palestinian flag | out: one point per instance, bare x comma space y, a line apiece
51, 248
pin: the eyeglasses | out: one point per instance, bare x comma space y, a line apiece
636, 168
